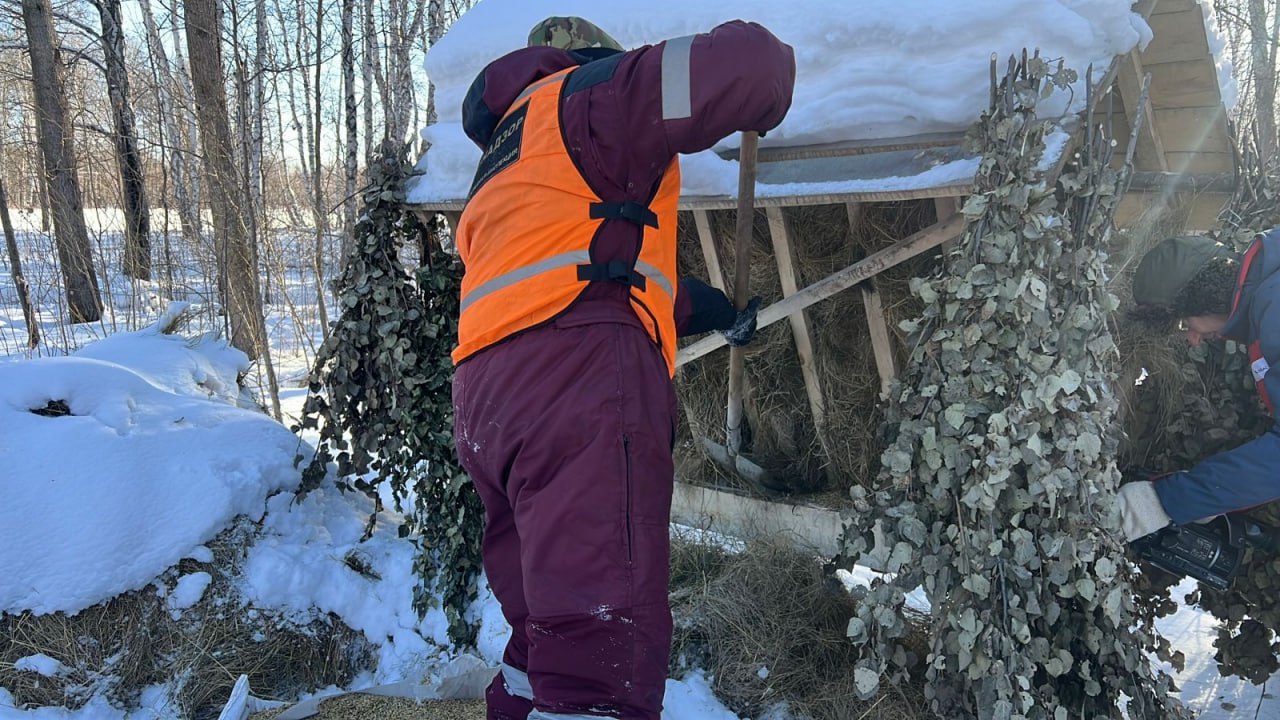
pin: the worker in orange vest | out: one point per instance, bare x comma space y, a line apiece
571, 306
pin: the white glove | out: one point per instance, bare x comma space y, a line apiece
1140, 510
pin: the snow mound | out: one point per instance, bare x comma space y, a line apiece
136, 458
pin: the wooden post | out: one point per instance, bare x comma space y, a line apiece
879, 336
785, 257
708, 242
1150, 151
741, 293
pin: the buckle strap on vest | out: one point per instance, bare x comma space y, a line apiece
615, 271
632, 211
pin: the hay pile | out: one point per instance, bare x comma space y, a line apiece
780, 433
134, 641
768, 625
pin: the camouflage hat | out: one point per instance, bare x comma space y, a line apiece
570, 33
1171, 265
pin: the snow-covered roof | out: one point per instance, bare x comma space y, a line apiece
880, 71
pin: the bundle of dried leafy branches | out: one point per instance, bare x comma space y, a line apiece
380, 393
997, 492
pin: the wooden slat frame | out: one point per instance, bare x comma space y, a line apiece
868, 267
785, 257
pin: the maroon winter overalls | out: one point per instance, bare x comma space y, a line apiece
566, 428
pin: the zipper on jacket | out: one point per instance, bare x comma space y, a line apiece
630, 535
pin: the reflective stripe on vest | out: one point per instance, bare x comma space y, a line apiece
1257, 363
525, 236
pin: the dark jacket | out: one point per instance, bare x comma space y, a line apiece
622, 130
1249, 475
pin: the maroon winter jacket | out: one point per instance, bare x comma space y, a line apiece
740, 77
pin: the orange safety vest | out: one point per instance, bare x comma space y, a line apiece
525, 237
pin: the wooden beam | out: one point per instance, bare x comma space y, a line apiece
785, 257
1178, 36
709, 254
848, 148
1201, 163
880, 343
1194, 129
1149, 155
856, 212
1171, 6
1183, 182
868, 267
728, 202
1190, 83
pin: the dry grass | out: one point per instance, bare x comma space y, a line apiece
131, 642
781, 432
768, 625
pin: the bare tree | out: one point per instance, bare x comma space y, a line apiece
317, 176
236, 272
58, 148
15, 269
163, 85
1263, 53
352, 123
137, 214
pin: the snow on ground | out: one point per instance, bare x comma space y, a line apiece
143, 469
886, 70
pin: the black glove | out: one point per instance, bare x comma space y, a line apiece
744, 325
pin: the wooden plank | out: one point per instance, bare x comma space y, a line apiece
1164, 7
880, 343
868, 267
1219, 182
1193, 130
1149, 153
727, 202
1201, 162
848, 148
785, 257
709, 254
1190, 83
810, 528
1179, 36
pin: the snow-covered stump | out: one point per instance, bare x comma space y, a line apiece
997, 494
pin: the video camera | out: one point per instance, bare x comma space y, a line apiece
1210, 552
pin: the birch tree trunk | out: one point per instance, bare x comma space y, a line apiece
237, 274
1263, 53
58, 148
370, 39
15, 268
186, 110
188, 208
352, 123
435, 29
258, 182
137, 212
317, 178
